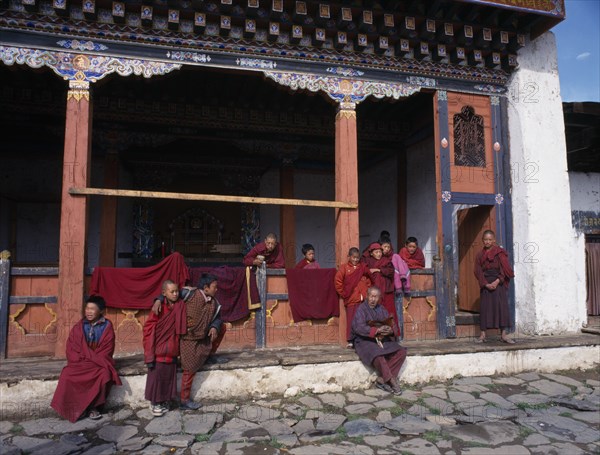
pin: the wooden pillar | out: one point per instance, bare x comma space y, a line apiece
73, 212
346, 189
108, 221
287, 214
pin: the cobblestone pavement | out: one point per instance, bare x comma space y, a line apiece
528, 413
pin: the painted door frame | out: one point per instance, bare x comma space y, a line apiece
446, 294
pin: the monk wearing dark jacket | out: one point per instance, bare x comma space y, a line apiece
202, 335
86, 381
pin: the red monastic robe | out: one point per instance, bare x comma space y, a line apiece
273, 259
88, 375
304, 264
415, 260
161, 333
352, 283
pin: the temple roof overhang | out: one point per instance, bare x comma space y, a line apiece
466, 40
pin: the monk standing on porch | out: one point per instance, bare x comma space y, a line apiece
493, 273
269, 252
203, 328
90, 372
351, 283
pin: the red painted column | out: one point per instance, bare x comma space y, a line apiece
287, 215
73, 213
108, 221
346, 190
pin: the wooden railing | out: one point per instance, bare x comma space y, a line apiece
28, 310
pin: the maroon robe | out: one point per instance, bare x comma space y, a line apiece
388, 358
415, 260
273, 259
492, 264
384, 280
304, 264
89, 374
352, 283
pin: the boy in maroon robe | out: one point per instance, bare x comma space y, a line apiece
161, 348
374, 342
268, 251
308, 261
382, 276
351, 283
412, 254
85, 382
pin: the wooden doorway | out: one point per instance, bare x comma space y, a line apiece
471, 222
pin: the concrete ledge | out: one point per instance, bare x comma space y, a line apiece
334, 370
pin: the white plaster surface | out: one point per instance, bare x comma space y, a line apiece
378, 201
315, 225
421, 217
544, 239
33, 397
585, 191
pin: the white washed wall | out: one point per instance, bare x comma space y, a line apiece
547, 300
378, 201
421, 213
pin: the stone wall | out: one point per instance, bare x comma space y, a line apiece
544, 240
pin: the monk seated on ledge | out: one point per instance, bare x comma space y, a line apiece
375, 343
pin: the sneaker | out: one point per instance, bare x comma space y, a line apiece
190, 405
95, 414
158, 410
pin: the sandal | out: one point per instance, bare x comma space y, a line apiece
384, 387
508, 340
94, 414
480, 340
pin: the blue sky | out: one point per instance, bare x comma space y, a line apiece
578, 42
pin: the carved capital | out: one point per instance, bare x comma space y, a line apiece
347, 92
83, 67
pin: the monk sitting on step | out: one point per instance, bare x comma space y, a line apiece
85, 382
374, 342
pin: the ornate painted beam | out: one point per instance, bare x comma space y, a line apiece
83, 68
345, 91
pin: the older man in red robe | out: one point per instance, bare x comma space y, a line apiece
269, 251
85, 382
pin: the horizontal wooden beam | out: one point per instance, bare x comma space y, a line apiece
211, 197
30, 300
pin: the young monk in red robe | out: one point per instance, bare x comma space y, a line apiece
351, 283
382, 276
85, 382
412, 254
493, 271
161, 348
308, 261
269, 252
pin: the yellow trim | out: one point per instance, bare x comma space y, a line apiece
251, 306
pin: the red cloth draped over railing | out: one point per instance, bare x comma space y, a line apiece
233, 292
135, 288
312, 293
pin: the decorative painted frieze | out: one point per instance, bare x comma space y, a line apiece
347, 92
83, 68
